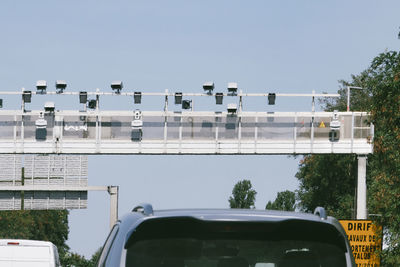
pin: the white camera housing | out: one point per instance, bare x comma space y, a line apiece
49, 107
41, 85
41, 123
137, 123
60, 86
335, 123
232, 108
117, 86
209, 87
137, 115
232, 88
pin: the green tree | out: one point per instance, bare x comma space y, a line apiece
75, 260
384, 84
328, 181
243, 196
285, 200
95, 257
381, 97
48, 225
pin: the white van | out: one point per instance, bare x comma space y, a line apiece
28, 253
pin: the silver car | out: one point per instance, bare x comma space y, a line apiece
222, 238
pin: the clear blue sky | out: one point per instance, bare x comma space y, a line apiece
282, 46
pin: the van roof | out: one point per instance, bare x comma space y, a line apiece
25, 242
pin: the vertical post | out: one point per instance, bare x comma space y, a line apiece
165, 120
97, 100
113, 191
166, 101
362, 187
313, 102
23, 101
240, 102
348, 98
312, 122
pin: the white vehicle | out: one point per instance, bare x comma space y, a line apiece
28, 253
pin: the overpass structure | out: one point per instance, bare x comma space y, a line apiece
234, 131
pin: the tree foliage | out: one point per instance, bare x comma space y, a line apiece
47, 225
285, 200
385, 162
243, 195
329, 180
75, 260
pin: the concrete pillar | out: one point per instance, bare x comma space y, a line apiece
362, 187
113, 191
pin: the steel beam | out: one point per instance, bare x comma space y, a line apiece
113, 191
362, 188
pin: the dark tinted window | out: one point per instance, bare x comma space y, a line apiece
193, 243
193, 253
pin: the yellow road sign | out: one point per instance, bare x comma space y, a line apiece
322, 125
365, 241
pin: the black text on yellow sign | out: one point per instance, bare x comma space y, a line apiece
365, 242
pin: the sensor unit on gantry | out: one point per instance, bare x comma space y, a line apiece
335, 123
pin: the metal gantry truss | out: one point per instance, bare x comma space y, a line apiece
186, 132
95, 131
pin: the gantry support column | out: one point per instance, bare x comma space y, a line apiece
113, 191
362, 187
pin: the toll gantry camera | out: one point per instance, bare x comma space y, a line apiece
137, 126
334, 127
41, 128
219, 98
60, 86
41, 86
83, 97
271, 98
117, 86
186, 104
232, 88
27, 96
49, 107
178, 98
92, 104
137, 97
232, 108
208, 87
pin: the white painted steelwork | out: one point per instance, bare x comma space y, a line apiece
166, 94
113, 191
55, 197
11, 196
362, 213
186, 132
10, 169
45, 197
65, 170
49, 182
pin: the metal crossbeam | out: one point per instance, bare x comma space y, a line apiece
53, 188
